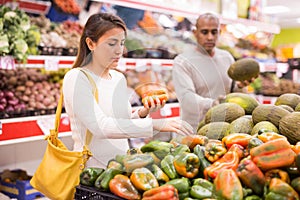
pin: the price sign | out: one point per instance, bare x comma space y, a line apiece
7, 62
52, 64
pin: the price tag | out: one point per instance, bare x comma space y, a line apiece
7, 62
52, 64
166, 111
46, 123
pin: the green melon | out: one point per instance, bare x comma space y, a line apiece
264, 125
297, 108
241, 125
215, 130
224, 112
244, 69
287, 107
268, 112
246, 101
289, 99
289, 126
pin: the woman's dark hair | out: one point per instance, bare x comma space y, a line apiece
96, 26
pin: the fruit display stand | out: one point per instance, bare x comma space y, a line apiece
28, 132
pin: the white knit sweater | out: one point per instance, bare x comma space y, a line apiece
110, 121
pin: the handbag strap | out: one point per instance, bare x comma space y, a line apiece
54, 132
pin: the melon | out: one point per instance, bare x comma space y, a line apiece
246, 101
268, 112
289, 99
244, 69
215, 130
224, 112
289, 126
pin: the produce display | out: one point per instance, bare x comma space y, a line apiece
270, 85
258, 160
29, 92
18, 37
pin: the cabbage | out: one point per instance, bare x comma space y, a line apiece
17, 34
4, 45
19, 48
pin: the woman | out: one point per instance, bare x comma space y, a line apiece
111, 120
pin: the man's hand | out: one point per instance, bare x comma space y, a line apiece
242, 84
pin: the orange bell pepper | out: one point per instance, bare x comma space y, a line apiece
214, 150
296, 148
143, 179
281, 190
267, 136
121, 186
251, 176
187, 164
277, 173
230, 160
236, 138
228, 185
273, 154
164, 192
192, 140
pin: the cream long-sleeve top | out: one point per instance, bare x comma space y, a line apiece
198, 80
111, 120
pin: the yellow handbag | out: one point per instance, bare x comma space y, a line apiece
58, 173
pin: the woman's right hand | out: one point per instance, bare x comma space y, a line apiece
173, 125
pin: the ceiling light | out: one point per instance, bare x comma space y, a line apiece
275, 9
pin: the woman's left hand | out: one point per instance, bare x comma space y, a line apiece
155, 104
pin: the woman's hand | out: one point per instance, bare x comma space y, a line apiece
155, 104
172, 125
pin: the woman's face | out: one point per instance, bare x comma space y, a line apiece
109, 48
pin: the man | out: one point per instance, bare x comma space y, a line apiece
200, 74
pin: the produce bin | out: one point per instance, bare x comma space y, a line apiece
15, 184
90, 193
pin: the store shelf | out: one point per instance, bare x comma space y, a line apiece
28, 129
184, 8
57, 62
30, 6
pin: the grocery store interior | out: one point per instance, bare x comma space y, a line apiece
34, 60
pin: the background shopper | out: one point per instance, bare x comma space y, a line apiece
200, 74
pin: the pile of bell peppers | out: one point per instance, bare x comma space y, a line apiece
264, 166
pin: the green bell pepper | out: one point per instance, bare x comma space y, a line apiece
199, 151
179, 149
181, 184
204, 183
280, 190
253, 197
200, 192
168, 167
183, 196
159, 148
102, 182
159, 174
114, 164
89, 175
134, 161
